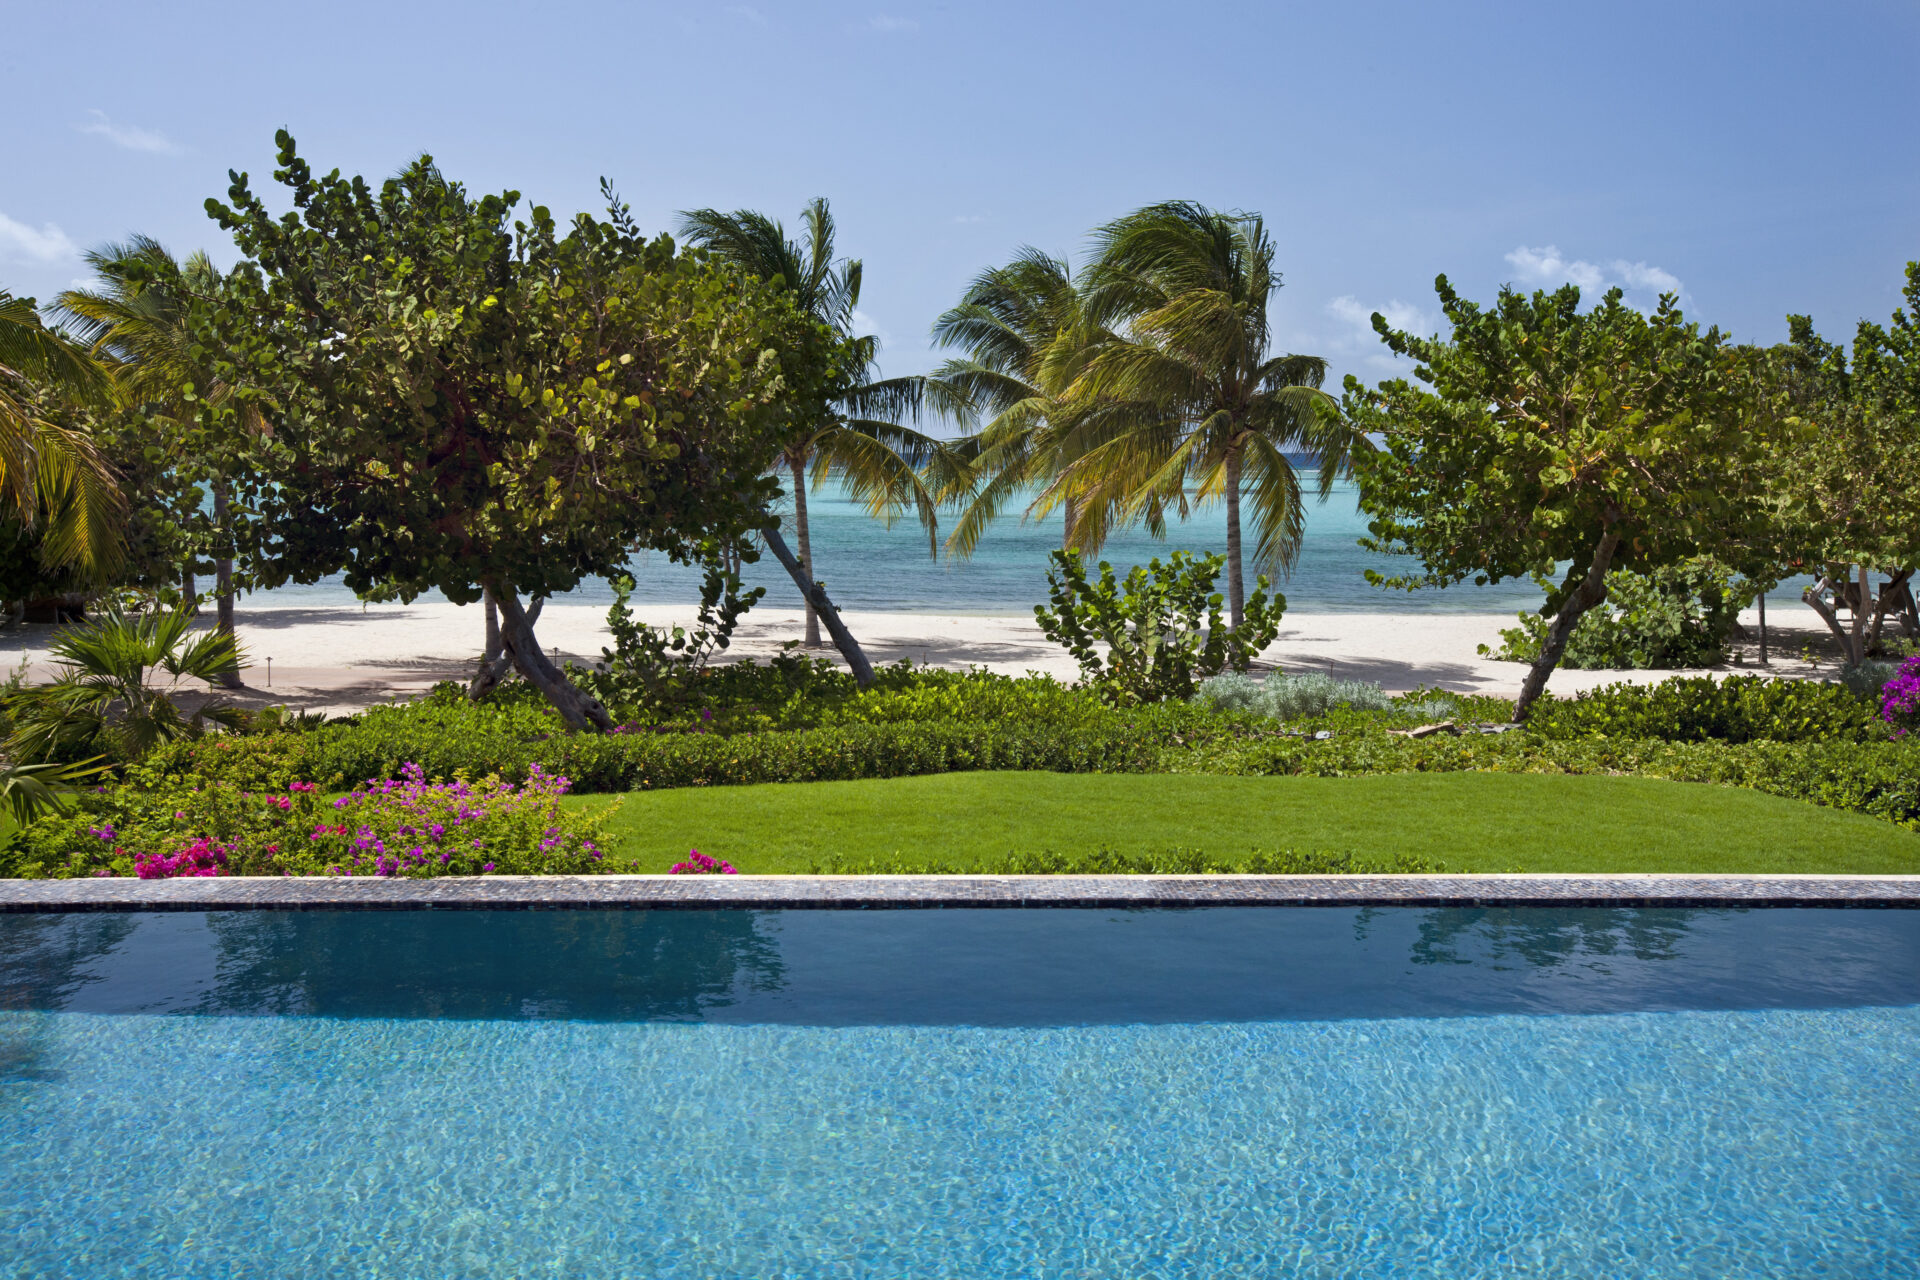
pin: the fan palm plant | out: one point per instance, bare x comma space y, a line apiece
50, 471
1026, 341
1197, 407
109, 699
861, 438
136, 317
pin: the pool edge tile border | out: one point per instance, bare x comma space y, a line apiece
665, 892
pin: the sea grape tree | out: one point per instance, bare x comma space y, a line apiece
1849, 483
459, 401
1538, 438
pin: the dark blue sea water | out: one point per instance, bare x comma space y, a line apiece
1223, 1093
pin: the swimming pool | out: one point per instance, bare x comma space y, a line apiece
980, 1093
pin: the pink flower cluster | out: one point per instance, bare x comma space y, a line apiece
1900, 698
699, 864
203, 857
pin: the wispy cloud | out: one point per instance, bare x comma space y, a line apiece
21, 243
128, 136
1356, 339
887, 22
747, 13
1546, 266
864, 324
968, 218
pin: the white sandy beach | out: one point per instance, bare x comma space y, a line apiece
340, 658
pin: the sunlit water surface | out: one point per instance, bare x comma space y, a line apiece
868, 565
1231, 1092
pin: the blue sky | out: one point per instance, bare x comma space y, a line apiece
1759, 157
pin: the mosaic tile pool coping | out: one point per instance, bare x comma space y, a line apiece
773, 892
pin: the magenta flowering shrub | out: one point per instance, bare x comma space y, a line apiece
1900, 698
203, 857
407, 826
404, 826
699, 864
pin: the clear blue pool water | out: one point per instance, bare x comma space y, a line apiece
1003, 1093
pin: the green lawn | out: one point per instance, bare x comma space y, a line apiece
1463, 821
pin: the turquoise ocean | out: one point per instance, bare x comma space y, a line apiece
868, 565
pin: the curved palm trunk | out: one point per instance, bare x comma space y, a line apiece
849, 647
229, 678
1070, 509
799, 464
1236, 584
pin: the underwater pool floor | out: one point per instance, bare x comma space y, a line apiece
158, 1117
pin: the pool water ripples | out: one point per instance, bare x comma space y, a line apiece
733, 1125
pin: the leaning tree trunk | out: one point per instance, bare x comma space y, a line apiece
1591, 591
1070, 509
1894, 596
1236, 584
581, 710
817, 595
799, 465
229, 678
495, 661
1852, 646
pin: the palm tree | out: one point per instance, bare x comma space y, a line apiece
860, 439
48, 469
1022, 327
137, 318
1197, 403
107, 702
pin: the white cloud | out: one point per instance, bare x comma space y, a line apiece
1546, 267
128, 136
887, 22
1638, 275
21, 243
966, 218
864, 324
1356, 339
747, 13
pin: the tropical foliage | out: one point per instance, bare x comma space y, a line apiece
1190, 403
1026, 339
118, 692
1847, 481
464, 402
136, 319
855, 435
1681, 615
1150, 636
1546, 439
53, 479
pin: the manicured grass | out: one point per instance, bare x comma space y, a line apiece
1463, 821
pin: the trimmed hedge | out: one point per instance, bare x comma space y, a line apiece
1702, 709
1880, 779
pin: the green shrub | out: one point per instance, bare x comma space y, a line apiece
1677, 617
1701, 709
1881, 779
1163, 862
1161, 625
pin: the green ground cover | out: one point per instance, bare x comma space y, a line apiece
1459, 821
